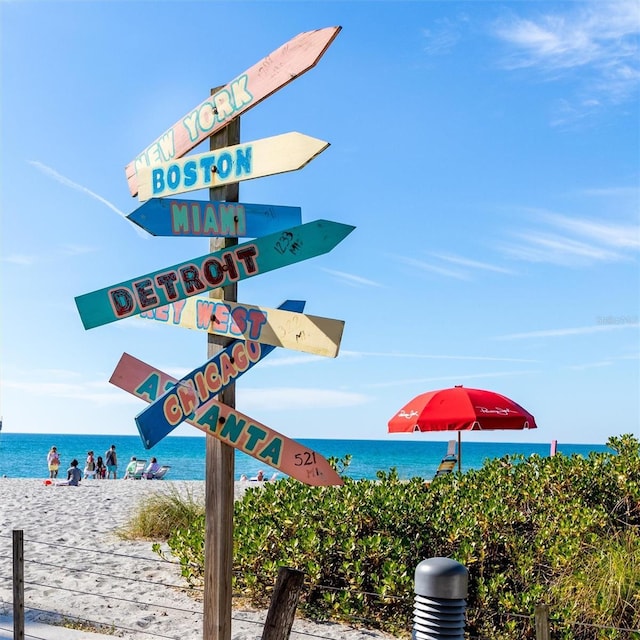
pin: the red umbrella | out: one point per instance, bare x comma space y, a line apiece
460, 409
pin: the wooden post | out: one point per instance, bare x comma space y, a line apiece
284, 601
18, 584
219, 468
542, 622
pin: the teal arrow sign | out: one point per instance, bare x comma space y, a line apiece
210, 271
202, 218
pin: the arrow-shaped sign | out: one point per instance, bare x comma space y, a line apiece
257, 159
279, 68
232, 427
202, 218
210, 271
297, 331
213, 377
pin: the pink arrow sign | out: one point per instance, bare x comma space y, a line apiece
232, 427
275, 71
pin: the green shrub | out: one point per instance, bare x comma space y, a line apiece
535, 530
160, 514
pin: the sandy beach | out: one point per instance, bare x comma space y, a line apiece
76, 564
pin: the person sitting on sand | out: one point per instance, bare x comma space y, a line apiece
74, 475
131, 469
53, 462
151, 469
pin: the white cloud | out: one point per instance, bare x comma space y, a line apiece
614, 235
78, 187
554, 249
19, 259
441, 37
100, 393
574, 241
597, 42
458, 379
458, 274
589, 365
570, 331
427, 356
352, 279
295, 399
473, 264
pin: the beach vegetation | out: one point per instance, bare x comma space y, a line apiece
562, 531
160, 514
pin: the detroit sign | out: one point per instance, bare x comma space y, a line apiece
210, 271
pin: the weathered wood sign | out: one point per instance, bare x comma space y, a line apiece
257, 159
215, 375
210, 271
232, 427
297, 331
203, 218
278, 69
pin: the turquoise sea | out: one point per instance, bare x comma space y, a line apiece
24, 455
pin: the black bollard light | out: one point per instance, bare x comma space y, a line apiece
439, 607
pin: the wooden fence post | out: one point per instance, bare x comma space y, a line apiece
18, 584
542, 622
284, 601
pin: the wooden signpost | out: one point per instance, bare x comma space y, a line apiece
257, 159
158, 171
209, 272
278, 69
232, 427
198, 218
220, 372
297, 331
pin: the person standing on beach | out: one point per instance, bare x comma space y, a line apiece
111, 460
53, 462
90, 466
101, 470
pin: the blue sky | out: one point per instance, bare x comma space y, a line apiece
487, 152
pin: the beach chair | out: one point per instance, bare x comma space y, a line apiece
139, 470
448, 463
161, 472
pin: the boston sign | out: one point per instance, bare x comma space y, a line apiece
257, 159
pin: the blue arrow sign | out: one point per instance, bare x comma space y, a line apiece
182, 399
201, 218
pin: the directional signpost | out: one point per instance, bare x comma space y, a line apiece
211, 379
206, 397
257, 159
278, 69
297, 331
198, 218
210, 271
232, 427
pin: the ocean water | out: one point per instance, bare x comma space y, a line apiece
24, 455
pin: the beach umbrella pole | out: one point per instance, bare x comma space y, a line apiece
459, 452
